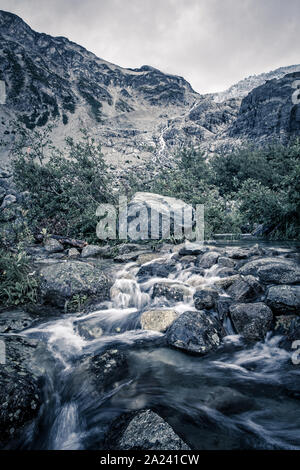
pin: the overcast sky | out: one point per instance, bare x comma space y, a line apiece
211, 43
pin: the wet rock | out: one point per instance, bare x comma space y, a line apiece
193, 249
157, 269
273, 270
158, 320
226, 262
20, 397
187, 260
171, 291
53, 246
143, 430
222, 307
226, 272
12, 321
108, 368
89, 328
227, 400
195, 332
284, 299
245, 289
252, 321
205, 298
61, 281
284, 323
2, 194
207, 260
92, 251
227, 281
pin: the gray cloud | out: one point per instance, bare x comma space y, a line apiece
212, 43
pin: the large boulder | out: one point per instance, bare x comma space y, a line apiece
273, 270
245, 289
195, 332
158, 320
149, 207
252, 321
284, 299
61, 281
143, 430
20, 394
205, 298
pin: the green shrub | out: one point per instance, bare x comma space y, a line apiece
18, 284
66, 186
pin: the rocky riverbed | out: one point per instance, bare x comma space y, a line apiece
187, 347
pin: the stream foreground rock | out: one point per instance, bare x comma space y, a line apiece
20, 396
195, 332
143, 430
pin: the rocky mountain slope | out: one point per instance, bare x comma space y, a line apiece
137, 114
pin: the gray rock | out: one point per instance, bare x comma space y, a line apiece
273, 270
171, 291
143, 430
245, 289
205, 298
61, 281
2, 194
92, 251
226, 262
252, 321
127, 257
207, 260
222, 307
155, 206
284, 299
13, 321
226, 282
73, 253
195, 332
158, 268
20, 397
89, 328
53, 246
8, 201
227, 400
237, 253
226, 272
193, 249
158, 320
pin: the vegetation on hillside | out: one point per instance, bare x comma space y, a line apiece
239, 190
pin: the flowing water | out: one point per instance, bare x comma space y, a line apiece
173, 383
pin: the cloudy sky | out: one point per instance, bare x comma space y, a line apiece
212, 43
